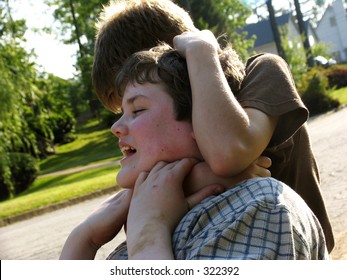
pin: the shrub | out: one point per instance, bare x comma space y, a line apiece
108, 118
337, 76
24, 170
63, 128
316, 96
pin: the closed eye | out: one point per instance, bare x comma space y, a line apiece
137, 111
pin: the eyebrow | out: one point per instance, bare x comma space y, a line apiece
131, 100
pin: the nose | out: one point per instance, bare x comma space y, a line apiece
119, 128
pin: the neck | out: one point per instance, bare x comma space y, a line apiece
202, 176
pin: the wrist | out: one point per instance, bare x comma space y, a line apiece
150, 242
79, 245
201, 50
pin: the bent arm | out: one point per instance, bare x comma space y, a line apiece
98, 228
230, 137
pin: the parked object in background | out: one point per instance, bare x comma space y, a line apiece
322, 61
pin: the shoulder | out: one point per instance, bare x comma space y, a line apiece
250, 195
258, 190
258, 213
268, 71
265, 59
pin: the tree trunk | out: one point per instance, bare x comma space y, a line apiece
275, 31
304, 33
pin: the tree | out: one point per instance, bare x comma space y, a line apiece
15, 89
275, 30
78, 20
32, 108
221, 17
304, 33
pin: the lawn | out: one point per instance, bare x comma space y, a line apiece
53, 189
93, 144
340, 94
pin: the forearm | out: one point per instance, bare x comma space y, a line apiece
101, 226
230, 137
221, 126
151, 243
78, 246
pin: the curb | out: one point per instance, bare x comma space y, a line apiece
55, 206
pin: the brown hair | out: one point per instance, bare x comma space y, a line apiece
129, 26
160, 65
126, 27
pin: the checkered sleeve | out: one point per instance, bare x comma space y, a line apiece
250, 222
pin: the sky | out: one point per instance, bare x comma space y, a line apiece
52, 55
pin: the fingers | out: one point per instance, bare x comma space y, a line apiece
264, 161
205, 192
191, 40
261, 167
180, 167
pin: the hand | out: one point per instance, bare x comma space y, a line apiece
157, 205
195, 41
258, 168
99, 228
201, 175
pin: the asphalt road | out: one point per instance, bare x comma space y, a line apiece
42, 237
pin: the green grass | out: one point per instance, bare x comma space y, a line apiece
93, 144
340, 94
53, 189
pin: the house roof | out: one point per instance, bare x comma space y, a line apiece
263, 31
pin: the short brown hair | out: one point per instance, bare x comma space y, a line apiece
160, 65
129, 26
126, 27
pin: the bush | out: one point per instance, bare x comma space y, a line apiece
337, 76
63, 128
108, 118
316, 97
24, 169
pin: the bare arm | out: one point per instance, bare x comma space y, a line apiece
230, 137
98, 229
157, 205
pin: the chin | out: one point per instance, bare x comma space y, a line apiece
124, 183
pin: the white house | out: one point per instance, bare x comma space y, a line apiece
264, 36
332, 30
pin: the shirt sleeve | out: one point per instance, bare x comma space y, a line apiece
270, 88
258, 234
259, 219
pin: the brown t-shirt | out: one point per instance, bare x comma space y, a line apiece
269, 87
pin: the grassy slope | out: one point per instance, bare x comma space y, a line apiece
340, 94
55, 189
93, 144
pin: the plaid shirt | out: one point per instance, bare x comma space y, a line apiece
257, 219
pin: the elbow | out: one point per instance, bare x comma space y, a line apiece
228, 164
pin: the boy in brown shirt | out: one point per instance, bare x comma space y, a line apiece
270, 121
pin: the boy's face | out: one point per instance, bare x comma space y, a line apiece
148, 132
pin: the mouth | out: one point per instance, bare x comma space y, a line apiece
127, 150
